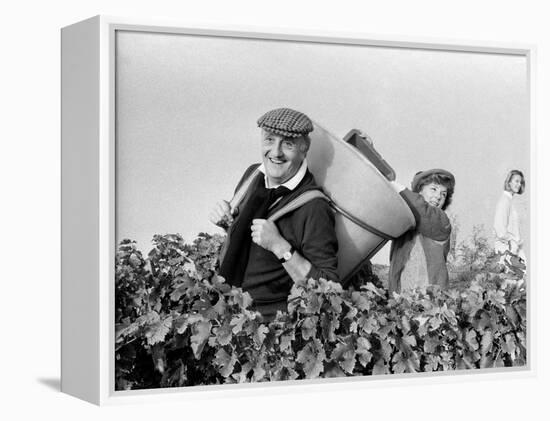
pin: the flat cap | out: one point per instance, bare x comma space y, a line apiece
286, 122
422, 175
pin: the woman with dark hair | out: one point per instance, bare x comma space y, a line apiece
506, 222
418, 258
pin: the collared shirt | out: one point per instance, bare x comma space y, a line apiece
293, 182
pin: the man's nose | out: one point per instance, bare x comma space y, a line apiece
277, 148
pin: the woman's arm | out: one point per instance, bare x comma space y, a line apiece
431, 222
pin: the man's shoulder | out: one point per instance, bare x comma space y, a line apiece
317, 206
314, 220
248, 172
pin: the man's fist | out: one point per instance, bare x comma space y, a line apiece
266, 235
221, 215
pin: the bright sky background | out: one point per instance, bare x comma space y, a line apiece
187, 108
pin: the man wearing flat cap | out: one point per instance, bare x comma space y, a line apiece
265, 257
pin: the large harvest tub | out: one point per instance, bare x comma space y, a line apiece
368, 210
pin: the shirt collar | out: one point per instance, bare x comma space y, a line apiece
294, 180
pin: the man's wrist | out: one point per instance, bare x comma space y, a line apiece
282, 248
287, 255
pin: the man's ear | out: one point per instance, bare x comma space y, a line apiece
306, 142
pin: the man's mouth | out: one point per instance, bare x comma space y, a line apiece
277, 161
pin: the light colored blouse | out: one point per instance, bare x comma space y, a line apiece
506, 225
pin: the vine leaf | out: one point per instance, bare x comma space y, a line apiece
309, 327
286, 341
311, 357
344, 353
224, 334
380, 368
259, 334
486, 342
225, 361
363, 351
201, 333
157, 331
471, 339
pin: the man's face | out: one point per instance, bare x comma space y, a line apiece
282, 156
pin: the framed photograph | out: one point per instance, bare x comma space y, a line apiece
248, 209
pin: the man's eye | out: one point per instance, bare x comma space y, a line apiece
288, 145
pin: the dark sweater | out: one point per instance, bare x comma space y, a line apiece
309, 229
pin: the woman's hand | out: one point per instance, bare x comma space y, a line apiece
397, 187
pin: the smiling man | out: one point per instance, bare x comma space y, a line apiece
265, 257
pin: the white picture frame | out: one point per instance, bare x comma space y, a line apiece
89, 203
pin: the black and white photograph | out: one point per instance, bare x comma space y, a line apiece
297, 209
290, 210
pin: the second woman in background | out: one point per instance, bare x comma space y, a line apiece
506, 222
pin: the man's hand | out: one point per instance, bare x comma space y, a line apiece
221, 215
266, 235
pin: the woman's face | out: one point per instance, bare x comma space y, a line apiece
515, 183
435, 194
